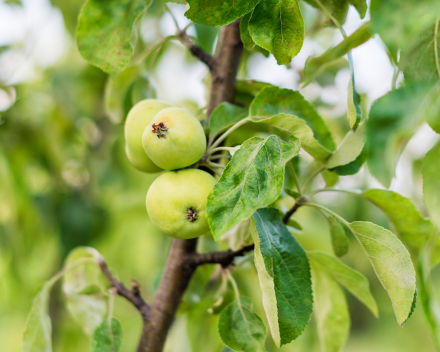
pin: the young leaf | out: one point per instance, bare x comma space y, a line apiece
87, 307
331, 311
297, 127
349, 149
253, 179
218, 13
224, 116
431, 184
340, 242
392, 264
406, 219
393, 119
107, 338
105, 29
239, 236
246, 38
351, 279
37, 336
278, 27
330, 178
273, 100
315, 65
354, 111
284, 273
354, 166
240, 328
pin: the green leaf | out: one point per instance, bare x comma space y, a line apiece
296, 127
428, 300
397, 22
106, 338
37, 336
295, 224
202, 327
392, 264
88, 308
246, 38
331, 311
406, 219
330, 178
105, 30
240, 328
339, 8
224, 116
354, 111
356, 283
349, 149
431, 184
253, 179
218, 13
284, 273
316, 65
393, 119
278, 27
421, 60
273, 101
339, 239
353, 167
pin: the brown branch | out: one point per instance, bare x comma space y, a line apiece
178, 270
224, 258
197, 51
132, 295
228, 57
292, 210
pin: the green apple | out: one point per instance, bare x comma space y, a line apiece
176, 202
174, 139
138, 118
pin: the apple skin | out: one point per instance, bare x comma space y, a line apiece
179, 144
172, 195
138, 118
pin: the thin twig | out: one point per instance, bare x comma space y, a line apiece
132, 295
196, 50
224, 258
292, 210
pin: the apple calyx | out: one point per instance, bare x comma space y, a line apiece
191, 215
159, 128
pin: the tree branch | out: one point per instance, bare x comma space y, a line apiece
197, 51
133, 295
224, 258
178, 270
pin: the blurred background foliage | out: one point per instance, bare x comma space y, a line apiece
65, 180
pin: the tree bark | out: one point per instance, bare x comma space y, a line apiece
179, 268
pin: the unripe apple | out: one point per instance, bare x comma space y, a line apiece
174, 139
138, 118
176, 202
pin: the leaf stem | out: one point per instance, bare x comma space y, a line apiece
227, 133
311, 178
328, 211
436, 37
294, 175
219, 156
316, 191
334, 20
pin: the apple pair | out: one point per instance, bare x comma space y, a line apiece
160, 137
